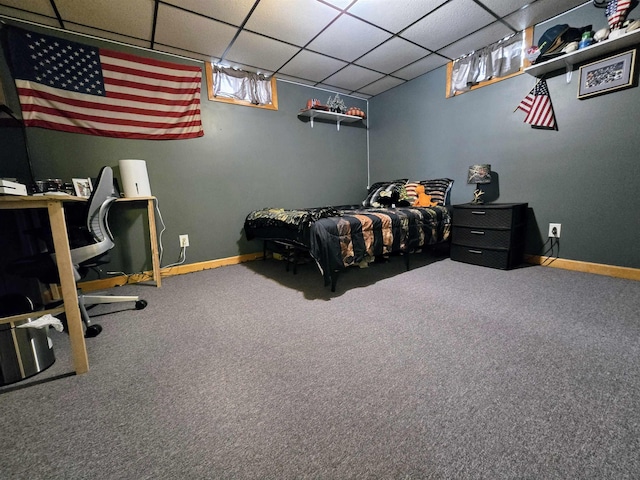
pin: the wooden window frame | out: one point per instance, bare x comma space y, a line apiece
528, 40
274, 92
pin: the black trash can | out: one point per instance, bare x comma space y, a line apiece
24, 352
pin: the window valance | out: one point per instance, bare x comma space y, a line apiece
236, 84
500, 59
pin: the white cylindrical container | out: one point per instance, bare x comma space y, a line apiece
135, 179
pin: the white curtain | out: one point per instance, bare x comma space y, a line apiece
240, 85
497, 60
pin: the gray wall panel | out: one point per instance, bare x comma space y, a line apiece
249, 158
582, 176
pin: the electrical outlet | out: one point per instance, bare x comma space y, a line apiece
554, 230
184, 240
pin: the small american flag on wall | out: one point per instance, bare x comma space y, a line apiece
537, 106
69, 86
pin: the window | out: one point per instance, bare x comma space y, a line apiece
230, 85
489, 65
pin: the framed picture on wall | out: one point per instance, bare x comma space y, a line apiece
82, 187
608, 75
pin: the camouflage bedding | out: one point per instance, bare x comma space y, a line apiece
339, 237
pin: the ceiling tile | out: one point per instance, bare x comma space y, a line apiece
352, 44
253, 49
138, 42
393, 19
341, 4
291, 79
381, 85
29, 17
540, 11
392, 55
348, 38
127, 17
203, 35
333, 88
42, 7
312, 66
482, 38
294, 21
185, 53
504, 7
421, 67
234, 12
352, 77
361, 95
452, 21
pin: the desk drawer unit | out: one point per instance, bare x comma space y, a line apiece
491, 235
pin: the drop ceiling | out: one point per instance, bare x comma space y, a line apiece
356, 47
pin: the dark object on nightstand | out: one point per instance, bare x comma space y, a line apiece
479, 174
490, 235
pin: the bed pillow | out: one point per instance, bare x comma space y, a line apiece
373, 195
438, 188
412, 194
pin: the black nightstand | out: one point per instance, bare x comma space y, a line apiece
491, 235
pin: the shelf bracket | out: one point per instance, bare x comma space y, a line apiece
311, 121
338, 125
569, 71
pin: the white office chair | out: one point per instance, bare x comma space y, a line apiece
95, 240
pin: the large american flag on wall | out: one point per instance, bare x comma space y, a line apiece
69, 86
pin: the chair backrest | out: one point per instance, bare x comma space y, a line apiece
100, 201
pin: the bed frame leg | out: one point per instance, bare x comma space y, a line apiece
295, 261
406, 260
334, 280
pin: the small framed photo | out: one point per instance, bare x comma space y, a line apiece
82, 187
608, 75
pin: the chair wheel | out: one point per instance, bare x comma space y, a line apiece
93, 331
140, 304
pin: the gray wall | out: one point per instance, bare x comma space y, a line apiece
249, 158
583, 176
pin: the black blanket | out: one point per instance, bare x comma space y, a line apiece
359, 235
341, 237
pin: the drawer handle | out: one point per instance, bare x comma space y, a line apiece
476, 251
474, 212
477, 232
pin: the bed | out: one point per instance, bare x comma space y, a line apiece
339, 237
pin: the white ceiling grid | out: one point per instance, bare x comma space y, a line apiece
357, 47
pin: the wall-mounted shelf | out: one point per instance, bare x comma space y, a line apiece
339, 118
585, 54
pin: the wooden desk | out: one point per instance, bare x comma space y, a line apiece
153, 235
68, 288
54, 206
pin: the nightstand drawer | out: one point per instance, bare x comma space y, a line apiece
481, 256
491, 235
481, 237
488, 216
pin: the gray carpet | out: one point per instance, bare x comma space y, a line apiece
448, 371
